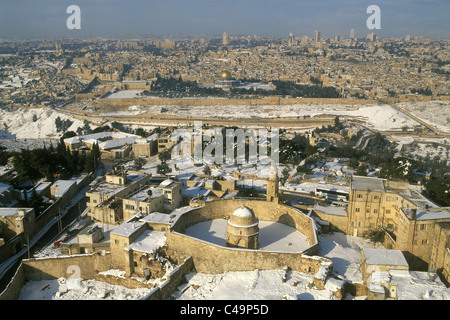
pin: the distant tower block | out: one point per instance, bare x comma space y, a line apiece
225, 38
242, 229
317, 35
352, 34
272, 185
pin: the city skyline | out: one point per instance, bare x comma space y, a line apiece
266, 18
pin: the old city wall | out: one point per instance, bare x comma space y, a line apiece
120, 104
211, 258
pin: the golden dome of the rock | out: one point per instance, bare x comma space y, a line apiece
225, 74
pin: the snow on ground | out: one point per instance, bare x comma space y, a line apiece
20, 123
78, 289
343, 250
382, 117
251, 285
273, 236
436, 113
422, 147
345, 253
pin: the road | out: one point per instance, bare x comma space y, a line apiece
301, 198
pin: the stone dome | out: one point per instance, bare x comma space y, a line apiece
243, 216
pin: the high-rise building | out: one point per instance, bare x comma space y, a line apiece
372, 36
317, 35
225, 38
352, 34
291, 39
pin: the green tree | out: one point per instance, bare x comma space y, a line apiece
139, 163
438, 189
207, 170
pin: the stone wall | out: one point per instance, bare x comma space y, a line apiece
124, 103
263, 210
82, 266
174, 279
336, 221
12, 291
211, 258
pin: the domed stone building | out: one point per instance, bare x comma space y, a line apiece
242, 229
226, 81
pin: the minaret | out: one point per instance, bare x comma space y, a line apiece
272, 185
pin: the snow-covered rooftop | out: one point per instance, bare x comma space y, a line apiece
367, 183
384, 257
334, 210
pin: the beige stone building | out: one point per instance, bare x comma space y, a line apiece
440, 251
17, 227
373, 260
105, 198
145, 147
112, 145
164, 198
409, 219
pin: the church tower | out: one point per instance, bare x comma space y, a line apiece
272, 185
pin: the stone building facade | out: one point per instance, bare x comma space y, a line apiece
409, 219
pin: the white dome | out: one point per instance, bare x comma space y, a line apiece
243, 212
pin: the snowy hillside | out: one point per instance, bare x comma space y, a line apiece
381, 117
436, 113
38, 123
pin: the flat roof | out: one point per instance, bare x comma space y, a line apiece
333, 210
367, 183
142, 195
128, 227
12, 211
384, 257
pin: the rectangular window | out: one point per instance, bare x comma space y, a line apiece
357, 209
425, 241
375, 211
359, 196
388, 211
376, 197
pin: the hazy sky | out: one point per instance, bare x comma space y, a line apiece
267, 18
